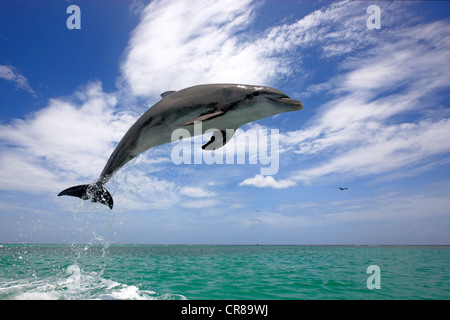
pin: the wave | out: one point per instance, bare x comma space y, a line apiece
76, 284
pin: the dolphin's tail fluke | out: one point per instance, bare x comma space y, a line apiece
92, 192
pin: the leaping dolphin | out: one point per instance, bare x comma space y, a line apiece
218, 106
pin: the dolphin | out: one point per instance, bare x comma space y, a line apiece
218, 106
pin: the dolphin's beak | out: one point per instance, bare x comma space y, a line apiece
291, 102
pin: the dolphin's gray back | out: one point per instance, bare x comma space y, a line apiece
156, 125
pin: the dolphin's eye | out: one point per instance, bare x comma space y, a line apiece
256, 93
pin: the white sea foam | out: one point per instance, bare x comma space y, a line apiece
79, 285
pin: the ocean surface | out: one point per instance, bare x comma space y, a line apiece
223, 272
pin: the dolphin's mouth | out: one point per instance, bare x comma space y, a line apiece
288, 101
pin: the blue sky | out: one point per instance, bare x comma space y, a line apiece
375, 120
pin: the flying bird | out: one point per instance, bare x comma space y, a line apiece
217, 106
340, 188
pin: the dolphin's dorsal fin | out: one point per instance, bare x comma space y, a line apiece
165, 94
203, 117
218, 139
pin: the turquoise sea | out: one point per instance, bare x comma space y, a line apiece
218, 272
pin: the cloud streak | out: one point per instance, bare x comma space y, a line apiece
69, 138
182, 43
384, 80
365, 129
10, 73
267, 182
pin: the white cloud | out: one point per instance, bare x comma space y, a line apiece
69, 140
133, 188
11, 74
199, 204
382, 120
71, 137
196, 192
267, 182
367, 128
21, 171
182, 43
388, 148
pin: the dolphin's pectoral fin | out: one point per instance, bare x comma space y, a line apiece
218, 139
204, 117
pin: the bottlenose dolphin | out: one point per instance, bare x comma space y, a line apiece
217, 106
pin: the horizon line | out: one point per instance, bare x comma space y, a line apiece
225, 244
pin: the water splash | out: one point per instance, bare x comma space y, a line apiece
78, 285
